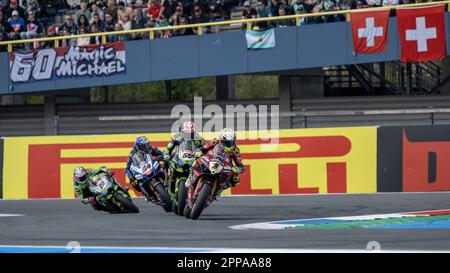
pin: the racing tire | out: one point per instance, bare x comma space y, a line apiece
187, 212
126, 203
165, 197
200, 202
182, 195
175, 208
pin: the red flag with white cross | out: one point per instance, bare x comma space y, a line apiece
369, 30
422, 33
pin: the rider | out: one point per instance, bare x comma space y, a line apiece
187, 132
140, 149
81, 178
227, 139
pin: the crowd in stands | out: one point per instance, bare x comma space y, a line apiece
26, 19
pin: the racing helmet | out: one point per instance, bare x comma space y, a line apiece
188, 130
227, 138
80, 175
142, 144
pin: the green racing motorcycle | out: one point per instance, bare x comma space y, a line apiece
179, 169
111, 194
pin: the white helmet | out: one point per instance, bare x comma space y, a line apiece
227, 138
80, 174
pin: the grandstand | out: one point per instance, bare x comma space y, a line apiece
326, 84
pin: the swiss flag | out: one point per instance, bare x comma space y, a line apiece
369, 29
422, 33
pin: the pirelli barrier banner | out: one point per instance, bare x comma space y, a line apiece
414, 159
331, 160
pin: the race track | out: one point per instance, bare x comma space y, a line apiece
56, 222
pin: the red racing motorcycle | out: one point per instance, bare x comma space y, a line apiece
213, 172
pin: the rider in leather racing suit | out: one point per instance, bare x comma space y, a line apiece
227, 139
187, 132
81, 179
140, 149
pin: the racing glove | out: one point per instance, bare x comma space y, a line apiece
166, 158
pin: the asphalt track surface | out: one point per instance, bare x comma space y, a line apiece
56, 222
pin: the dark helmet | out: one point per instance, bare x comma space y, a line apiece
142, 144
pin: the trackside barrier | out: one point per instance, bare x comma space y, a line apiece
414, 158
328, 160
1, 168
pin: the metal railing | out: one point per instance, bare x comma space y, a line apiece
201, 26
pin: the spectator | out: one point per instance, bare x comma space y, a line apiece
51, 32
96, 10
275, 7
33, 28
16, 25
175, 18
99, 3
95, 40
111, 8
99, 22
122, 11
224, 8
163, 22
284, 22
109, 23
170, 7
66, 31
183, 31
117, 37
248, 13
154, 9
4, 22
82, 21
215, 15
83, 11
70, 24
83, 41
3, 37
13, 6
198, 18
263, 11
125, 22
138, 22
298, 5
287, 7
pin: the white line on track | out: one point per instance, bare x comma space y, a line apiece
11, 215
264, 195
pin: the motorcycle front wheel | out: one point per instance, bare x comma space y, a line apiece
182, 195
126, 203
166, 202
200, 202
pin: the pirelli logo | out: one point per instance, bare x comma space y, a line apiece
304, 161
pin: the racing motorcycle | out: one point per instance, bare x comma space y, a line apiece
215, 172
179, 169
150, 177
111, 194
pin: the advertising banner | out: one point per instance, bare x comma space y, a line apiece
305, 161
68, 62
414, 159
